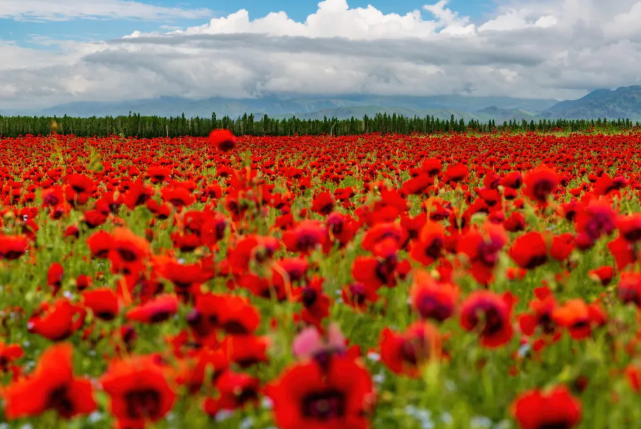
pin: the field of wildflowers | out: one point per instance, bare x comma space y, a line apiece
452, 281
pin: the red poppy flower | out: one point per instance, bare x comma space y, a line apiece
198, 364
529, 251
323, 204
603, 275
430, 245
562, 246
624, 252
137, 195
139, 390
54, 277
514, 223
13, 247
186, 278
633, 374
177, 196
406, 353
578, 318
432, 166
128, 252
418, 185
376, 272
358, 295
156, 310
433, 300
557, 408
224, 140
235, 391
103, 303
245, 350
456, 173
630, 227
305, 236
100, 244
595, 220
8, 354
342, 228
512, 180
482, 247
57, 321
540, 183
315, 302
493, 312
339, 394
629, 288
255, 248
158, 174
295, 268
79, 188
52, 386
234, 314
542, 308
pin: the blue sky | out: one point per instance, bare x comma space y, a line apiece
21, 31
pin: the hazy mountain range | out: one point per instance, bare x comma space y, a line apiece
620, 103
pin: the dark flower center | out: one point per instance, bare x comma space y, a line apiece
555, 425
600, 223
385, 270
435, 248
326, 405
488, 253
220, 230
546, 323
58, 399
309, 297
414, 350
160, 316
492, 317
633, 234
106, 315
431, 308
226, 145
235, 327
247, 395
127, 255
143, 404
51, 200
13, 254
536, 261
542, 189
142, 199
306, 241
358, 294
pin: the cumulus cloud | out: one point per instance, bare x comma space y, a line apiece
63, 10
334, 18
542, 48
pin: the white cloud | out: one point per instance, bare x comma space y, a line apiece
62, 10
334, 18
528, 48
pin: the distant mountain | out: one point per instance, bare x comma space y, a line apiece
339, 106
621, 103
371, 111
501, 115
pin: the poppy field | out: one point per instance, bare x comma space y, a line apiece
451, 281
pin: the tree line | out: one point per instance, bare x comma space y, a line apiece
157, 126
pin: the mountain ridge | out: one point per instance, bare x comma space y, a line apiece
274, 106
620, 103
